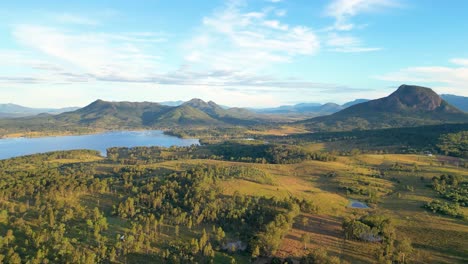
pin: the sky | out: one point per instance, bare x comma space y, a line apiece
255, 53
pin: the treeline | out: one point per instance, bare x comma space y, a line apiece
191, 200
378, 228
45, 217
209, 134
454, 189
399, 140
227, 151
454, 144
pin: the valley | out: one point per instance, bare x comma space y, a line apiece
233, 132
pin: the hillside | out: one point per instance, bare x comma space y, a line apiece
408, 106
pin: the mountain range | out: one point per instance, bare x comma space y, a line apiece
315, 109
104, 115
408, 106
310, 109
132, 114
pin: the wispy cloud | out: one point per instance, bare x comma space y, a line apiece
281, 12
76, 19
344, 10
97, 54
232, 39
448, 79
460, 61
347, 44
231, 55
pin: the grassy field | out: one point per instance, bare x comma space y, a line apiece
437, 239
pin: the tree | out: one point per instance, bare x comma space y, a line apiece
14, 259
403, 250
305, 238
51, 218
208, 251
9, 237
255, 252
305, 221
112, 254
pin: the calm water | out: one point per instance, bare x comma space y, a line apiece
357, 204
13, 147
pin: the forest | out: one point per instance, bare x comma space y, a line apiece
194, 205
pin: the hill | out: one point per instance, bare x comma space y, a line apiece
408, 106
461, 102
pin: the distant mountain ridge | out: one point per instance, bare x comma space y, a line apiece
308, 108
14, 110
461, 102
408, 106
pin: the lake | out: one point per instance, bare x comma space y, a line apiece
14, 147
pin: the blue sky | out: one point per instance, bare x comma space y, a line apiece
234, 52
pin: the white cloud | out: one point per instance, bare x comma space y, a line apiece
444, 79
232, 39
228, 59
344, 10
275, 24
460, 61
347, 44
281, 12
76, 19
97, 54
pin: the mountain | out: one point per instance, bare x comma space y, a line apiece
408, 106
14, 110
461, 102
220, 114
114, 114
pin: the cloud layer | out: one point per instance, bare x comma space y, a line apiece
235, 54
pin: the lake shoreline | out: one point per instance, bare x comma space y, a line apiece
84, 133
100, 141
